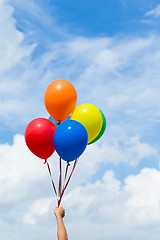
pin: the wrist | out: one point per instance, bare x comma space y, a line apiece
58, 216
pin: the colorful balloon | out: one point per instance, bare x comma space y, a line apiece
39, 137
91, 118
102, 129
60, 99
56, 123
70, 140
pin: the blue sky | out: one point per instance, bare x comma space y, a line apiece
110, 52
92, 18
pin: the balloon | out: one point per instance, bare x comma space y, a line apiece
102, 129
39, 137
91, 118
70, 140
56, 122
60, 99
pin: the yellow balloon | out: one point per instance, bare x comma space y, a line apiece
91, 118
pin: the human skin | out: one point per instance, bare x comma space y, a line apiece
61, 230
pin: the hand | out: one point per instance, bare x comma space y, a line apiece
59, 212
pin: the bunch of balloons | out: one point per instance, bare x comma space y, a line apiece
68, 130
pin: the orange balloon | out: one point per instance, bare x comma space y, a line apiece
60, 99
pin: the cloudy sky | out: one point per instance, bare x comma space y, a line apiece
110, 51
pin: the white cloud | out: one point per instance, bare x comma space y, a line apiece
13, 48
155, 12
25, 180
39, 208
105, 209
46, 25
144, 195
13, 55
21, 171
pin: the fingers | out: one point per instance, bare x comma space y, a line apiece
59, 211
62, 211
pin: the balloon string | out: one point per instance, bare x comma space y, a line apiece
59, 122
51, 176
68, 164
60, 176
64, 188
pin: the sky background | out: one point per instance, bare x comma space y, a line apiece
110, 52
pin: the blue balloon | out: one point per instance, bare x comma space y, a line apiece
70, 140
55, 121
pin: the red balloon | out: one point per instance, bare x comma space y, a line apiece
39, 137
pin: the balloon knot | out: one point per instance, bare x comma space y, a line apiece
59, 122
68, 163
45, 161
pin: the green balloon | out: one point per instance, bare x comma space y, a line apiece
102, 129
